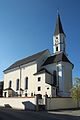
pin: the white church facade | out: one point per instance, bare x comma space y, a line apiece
42, 73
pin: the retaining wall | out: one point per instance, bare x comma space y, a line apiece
19, 103
61, 103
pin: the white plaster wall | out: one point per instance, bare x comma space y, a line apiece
43, 85
48, 89
13, 76
67, 77
54, 46
60, 78
58, 44
40, 84
29, 72
64, 76
19, 103
26, 71
61, 42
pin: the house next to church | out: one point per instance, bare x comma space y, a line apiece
42, 73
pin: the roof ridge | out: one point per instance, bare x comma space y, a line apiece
56, 58
32, 55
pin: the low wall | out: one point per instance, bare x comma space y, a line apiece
30, 103
60, 103
19, 103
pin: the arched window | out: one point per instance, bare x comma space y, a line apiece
17, 84
10, 84
54, 78
26, 83
56, 48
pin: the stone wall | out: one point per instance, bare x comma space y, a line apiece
61, 103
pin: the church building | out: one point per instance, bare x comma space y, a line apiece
42, 73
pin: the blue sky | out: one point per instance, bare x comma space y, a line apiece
27, 27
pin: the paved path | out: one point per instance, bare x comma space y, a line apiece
11, 114
66, 112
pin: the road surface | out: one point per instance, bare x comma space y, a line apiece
10, 114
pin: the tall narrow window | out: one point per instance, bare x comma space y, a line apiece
25, 94
5, 94
56, 48
26, 83
17, 84
54, 78
10, 84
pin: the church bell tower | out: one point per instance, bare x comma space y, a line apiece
59, 37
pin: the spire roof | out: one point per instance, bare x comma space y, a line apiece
58, 28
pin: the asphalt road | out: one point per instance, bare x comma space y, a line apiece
10, 114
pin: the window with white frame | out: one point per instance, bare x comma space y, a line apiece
10, 84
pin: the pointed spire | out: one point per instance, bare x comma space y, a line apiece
58, 28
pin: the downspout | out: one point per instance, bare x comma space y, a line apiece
20, 82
